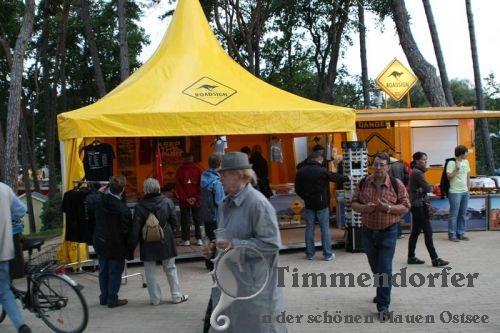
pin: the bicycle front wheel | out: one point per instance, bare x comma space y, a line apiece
60, 304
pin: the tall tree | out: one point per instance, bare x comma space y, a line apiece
325, 22
438, 52
122, 31
425, 72
26, 178
243, 25
485, 132
58, 85
89, 34
287, 63
10, 161
362, 52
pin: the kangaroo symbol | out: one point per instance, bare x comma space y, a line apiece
227, 284
207, 87
396, 74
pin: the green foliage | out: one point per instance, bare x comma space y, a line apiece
52, 213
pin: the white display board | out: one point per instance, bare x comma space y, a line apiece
438, 142
300, 149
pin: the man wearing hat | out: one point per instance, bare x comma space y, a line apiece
251, 226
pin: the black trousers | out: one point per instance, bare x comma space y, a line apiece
421, 223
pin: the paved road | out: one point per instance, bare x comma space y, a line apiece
480, 255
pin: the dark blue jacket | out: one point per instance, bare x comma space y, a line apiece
113, 227
312, 184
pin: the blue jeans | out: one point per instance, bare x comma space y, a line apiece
458, 210
110, 278
379, 248
323, 217
7, 297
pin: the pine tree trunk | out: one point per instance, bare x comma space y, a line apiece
485, 132
362, 52
439, 53
424, 71
89, 34
26, 180
10, 165
122, 28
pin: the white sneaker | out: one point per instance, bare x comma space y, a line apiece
186, 243
330, 258
182, 299
199, 242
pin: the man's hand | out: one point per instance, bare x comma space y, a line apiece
383, 205
207, 250
369, 207
222, 244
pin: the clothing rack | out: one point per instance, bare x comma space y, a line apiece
79, 183
79, 263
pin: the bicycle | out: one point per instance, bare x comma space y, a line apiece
51, 294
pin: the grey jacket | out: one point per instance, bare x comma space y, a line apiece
250, 221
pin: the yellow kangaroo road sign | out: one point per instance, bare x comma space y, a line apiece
396, 80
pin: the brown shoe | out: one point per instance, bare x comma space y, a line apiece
453, 239
463, 238
120, 302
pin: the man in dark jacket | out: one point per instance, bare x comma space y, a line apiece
311, 184
317, 148
259, 165
113, 239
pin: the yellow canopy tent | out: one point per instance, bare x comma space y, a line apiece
190, 86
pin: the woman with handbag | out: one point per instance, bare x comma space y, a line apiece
163, 250
418, 190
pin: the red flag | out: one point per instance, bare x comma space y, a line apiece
159, 167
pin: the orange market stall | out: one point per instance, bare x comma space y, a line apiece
190, 88
436, 131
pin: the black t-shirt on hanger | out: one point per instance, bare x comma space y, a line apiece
98, 161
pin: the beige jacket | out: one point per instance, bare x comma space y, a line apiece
7, 198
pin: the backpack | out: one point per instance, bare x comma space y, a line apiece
399, 170
207, 205
152, 230
444, 184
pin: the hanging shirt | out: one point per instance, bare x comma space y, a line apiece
98, 161
276, 151
78, 227
220, 145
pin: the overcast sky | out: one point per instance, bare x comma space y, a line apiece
382, 48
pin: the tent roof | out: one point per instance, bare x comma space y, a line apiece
190, 86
